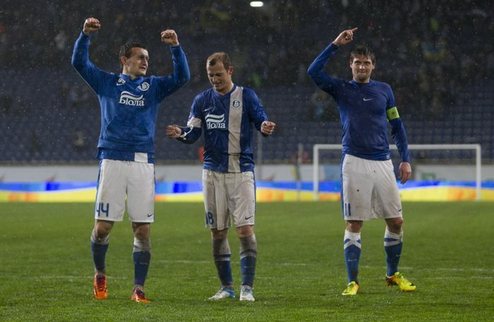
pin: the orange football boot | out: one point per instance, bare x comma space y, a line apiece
99, 287
139, 296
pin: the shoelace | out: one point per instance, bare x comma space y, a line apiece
100, 283
401, 279
140, 294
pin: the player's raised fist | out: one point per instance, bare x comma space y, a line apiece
91, 25
169, 37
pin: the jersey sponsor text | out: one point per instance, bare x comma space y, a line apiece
215, 121
127, 98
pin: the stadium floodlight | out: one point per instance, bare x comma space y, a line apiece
476, 147
256, 4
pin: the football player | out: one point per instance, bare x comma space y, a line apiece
129, 105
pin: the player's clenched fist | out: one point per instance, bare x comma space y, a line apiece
173, 131
91, 25
267, 127
169, 37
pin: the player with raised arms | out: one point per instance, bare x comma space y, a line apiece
129, 104
369, 188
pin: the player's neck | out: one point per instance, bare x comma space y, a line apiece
131, 76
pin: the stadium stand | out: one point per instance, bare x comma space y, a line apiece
442, 77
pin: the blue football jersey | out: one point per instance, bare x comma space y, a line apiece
365, 110
129, 107
227, 122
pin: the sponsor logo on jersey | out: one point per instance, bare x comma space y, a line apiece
143, 87
214, 121
127, 98
120, 82
236, 103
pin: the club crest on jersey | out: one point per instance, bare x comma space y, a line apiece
143, 87
127, 98
120, 82
214, 121
236, 103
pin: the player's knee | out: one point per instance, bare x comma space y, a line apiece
245, 231
354, 226
141, 231
141, 245
219, 234
394, 224
102, 229
248, 246
100, 238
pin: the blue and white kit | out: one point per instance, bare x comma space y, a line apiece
228, 176
129, 109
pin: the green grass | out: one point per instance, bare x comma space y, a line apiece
46, 268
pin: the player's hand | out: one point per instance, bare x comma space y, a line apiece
405, 171
345, 37
169, 37
267, 127
173, 131
91, 25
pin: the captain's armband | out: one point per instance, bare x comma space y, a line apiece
392, 113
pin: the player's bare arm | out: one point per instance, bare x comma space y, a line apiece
173, 131
345, 37
405, 171
91, 25
169, 37
267, 127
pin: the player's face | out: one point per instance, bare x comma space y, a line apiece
362, 67
220, 78
137, 64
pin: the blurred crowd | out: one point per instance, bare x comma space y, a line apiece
430, 51
425, 48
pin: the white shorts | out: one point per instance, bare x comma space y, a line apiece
229, 195
369, 189
122, 182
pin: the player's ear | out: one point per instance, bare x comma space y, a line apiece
123, 60
230, 70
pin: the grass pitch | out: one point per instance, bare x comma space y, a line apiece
46, 268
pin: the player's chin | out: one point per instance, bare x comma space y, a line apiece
362, 78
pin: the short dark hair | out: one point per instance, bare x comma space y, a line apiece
362, 50
126, 49
219, 57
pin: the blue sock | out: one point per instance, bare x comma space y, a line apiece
224, 269
248, 270
392, 245
99, 255
352, 248
141, 266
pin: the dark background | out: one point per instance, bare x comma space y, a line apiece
437, 55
